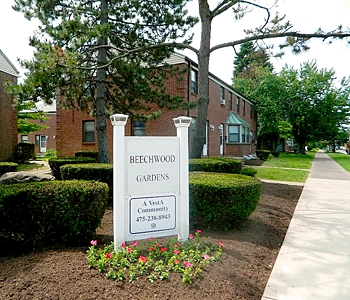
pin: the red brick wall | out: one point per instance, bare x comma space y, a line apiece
8, 120
49, 132
70, 122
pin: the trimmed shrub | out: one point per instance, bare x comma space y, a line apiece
248, 171
275, 153
24, 152
222, 200
51, 212
56, 163
263, 154
92, 154
96, 171
216, 164
7, 167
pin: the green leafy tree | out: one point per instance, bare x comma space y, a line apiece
27, 112
313, 104
248, 59
103, 56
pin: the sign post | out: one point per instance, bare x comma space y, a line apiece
150, 183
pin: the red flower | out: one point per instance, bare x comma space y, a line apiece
108, 255
123, 245
198, 231
176, 261
150, 249
143, 259
129, 250
163, 249
176, 251
220, 244
156, 245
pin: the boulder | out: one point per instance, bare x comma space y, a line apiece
24, 177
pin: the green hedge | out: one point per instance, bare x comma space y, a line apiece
263, 154
56, 163
216, 164
93, 154
50, 212
275, 153
221, 200
24, 152
249, 171
95, 171
7, 167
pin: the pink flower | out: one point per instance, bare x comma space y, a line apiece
198, 231
156, 245
187, 264
190, 236
135, 244
123, 245
93, 242
206, 256
143, 259
220, 244
176, 251
150, 239
163, 249
108, 255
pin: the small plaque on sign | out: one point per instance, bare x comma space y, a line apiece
151, 214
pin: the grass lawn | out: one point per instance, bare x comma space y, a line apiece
28, 167
342, 159
286, 167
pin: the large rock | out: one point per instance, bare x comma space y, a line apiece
23, 177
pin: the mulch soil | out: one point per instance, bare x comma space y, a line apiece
242, 272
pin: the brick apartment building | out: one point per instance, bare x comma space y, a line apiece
231, 120
44, 139
8, 114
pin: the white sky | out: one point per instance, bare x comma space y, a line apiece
306, 16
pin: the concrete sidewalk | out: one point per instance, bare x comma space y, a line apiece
314, 260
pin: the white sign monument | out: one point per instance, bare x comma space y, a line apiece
150, 183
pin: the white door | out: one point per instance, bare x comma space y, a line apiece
221, 131
42, 143
205, 146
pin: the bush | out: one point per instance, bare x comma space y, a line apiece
216, 164
56, 163
7, 167
275, 153
93, 154
248, 171
263, 154
44, 213
24, 152
50, 153
96, 171
222, 200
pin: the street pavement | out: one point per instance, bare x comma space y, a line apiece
314, 260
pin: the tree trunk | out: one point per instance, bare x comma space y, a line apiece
203, 80
101, 92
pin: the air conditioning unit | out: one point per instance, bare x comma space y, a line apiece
222, 101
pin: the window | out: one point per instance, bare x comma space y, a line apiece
245, 134
233, 134
230, 100
24, 138
138, 128
222, 94
243, 107
192, 128
237, 105
194, 82
88, 132
37, 140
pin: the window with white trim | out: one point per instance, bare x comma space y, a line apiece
233, 133
88, 131
138, 128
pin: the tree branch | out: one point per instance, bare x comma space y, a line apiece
323, 36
